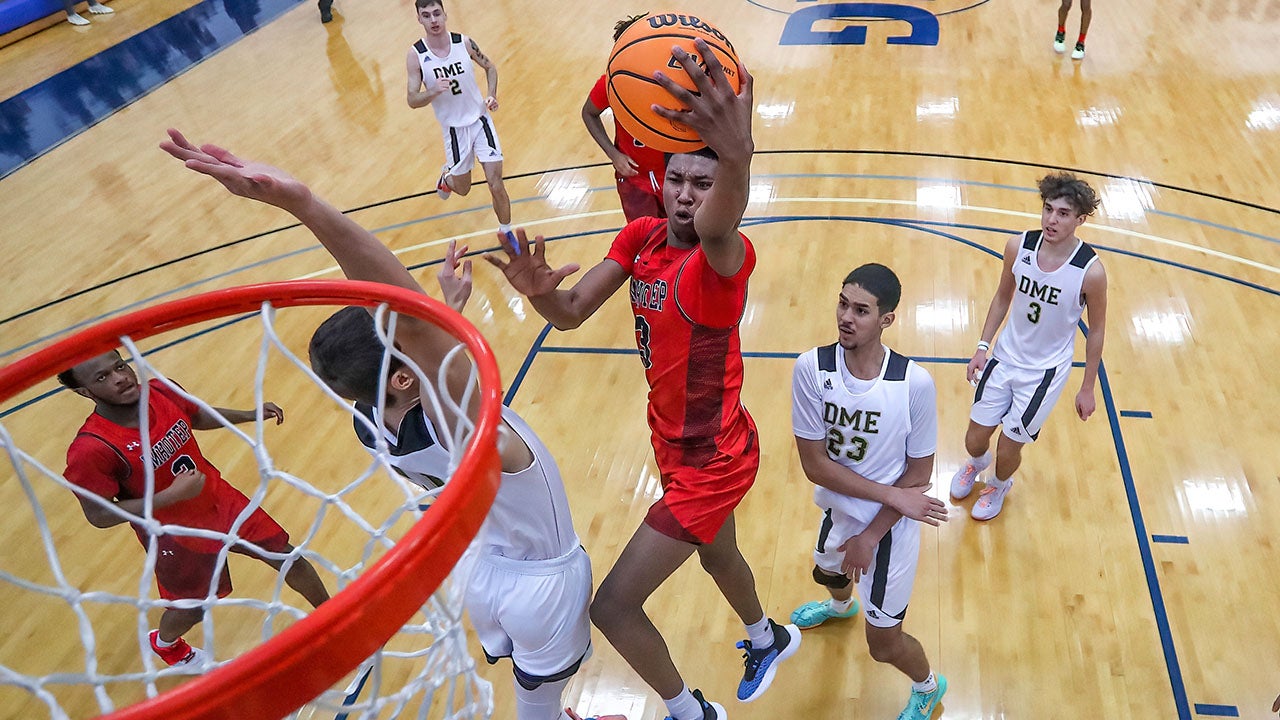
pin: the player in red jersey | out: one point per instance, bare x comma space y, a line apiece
637, 167
106, 460
688, 278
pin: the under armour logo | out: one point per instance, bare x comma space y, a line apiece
132, 446
1026, 259
827, 384
637, 260
166, 552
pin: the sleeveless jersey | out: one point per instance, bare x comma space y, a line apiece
462, 104
651, 165
529, 519
106, 459
870, 427
687, 331
1046, 306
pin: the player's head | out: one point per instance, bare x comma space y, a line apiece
1068, 201
346, 353
105, 379
431, 15
868, 298
622, 25
688, 178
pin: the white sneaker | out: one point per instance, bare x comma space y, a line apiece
991, 499
1060, 43
962, 481
1078, 53
77, 19
100, 9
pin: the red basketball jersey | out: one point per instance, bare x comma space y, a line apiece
106, 459
687, 319
651, 164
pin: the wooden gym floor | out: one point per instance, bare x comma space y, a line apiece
1126, 577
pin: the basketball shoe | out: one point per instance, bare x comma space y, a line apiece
991, 499
442, 187
962, 481
326, 10
179, 653
1060, 42
761, 665
812, 614
710, 710
920, 706
1078, 53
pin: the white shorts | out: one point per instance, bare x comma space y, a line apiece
534, 612
885, 590
463, 146
1017, 398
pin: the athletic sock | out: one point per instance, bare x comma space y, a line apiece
841, 606
760, 634
160, 642
981, 462
1081, 39
504, 228
543, 701
1062, 29
927, 685
684, 706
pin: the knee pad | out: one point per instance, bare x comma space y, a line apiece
836, 581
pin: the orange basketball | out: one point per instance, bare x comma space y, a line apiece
645, 47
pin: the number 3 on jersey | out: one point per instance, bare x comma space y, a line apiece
836, 442
642, 341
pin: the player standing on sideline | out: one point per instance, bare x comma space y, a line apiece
528, 594
441, 74
637, 168
866, 425
106, 460
1060, 38
1049, 278
688, 278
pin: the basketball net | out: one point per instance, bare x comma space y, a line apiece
420, 669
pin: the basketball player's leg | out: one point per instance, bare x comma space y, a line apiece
723, 561
991, 402
488, 152
649, 558
1008, 457
894, 647
1086, 16
1063, 9
498, 191
459, 159
835, 529
175, 622
302, 577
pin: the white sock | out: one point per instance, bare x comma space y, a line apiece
684, 706
841, 606
541, 703
760, 634
927, 685
504, 228
1002, 484
981, 462
160, 642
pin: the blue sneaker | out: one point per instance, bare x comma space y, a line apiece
921, 705
761, 665
813, 614
710, 710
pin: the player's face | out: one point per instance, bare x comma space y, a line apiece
858, 318
688, 179
1059, 220
432, 19
109, 379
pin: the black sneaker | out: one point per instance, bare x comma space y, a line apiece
710, 710
761, 665
326, 10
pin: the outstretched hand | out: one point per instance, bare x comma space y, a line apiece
253, 180
721, 117
456, 287
526, 266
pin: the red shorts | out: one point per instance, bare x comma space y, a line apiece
697, 501
639, 202
185, 572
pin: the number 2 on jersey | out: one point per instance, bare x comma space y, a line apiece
454, 87
642, 341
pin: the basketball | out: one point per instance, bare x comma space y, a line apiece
646, 47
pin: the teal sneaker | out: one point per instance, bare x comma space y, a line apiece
921, 705
813, 614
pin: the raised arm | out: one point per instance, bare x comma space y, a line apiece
209, 421
490, 72
997, 310
1095, 298
722, 119
526, 268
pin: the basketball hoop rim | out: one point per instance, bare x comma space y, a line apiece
313, 654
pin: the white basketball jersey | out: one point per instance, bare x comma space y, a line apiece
869, 426
530, 517
462, 104
1046, 306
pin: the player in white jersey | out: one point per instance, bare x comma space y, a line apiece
1048, 280
442, 75
529, 593
866, 425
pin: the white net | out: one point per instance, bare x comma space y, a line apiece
82, 601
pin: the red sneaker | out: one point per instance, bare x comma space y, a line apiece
442, 187
179, 653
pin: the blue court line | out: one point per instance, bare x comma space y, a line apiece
1217, 710
1171, 539
758, 4
1136, 414
48, 114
